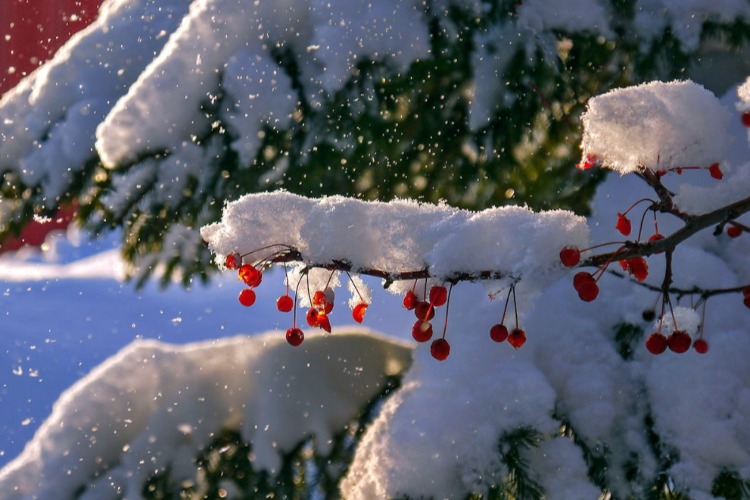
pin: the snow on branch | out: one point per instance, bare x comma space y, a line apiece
398, 240
658, 126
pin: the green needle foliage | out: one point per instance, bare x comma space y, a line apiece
388, 132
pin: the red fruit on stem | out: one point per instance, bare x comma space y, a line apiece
700, 346
324, 322
410, 300
440, 349
294, 336
587, 162
250, 275
358, 313
247, 297
623, 224
656, 343
588, 291
285, 303
679, 341
438, 295
421, 331
570, 256
656, 237
517, 338
312, 317
424, 311
638, 268
232, 261
733, 231
745, 119
582, 278
319, 299
715, 171
499, 333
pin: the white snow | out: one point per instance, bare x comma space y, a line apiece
154, 404
399, 236
657, 126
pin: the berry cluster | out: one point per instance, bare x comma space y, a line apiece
322, 301
423, 301
631, 254
499, 332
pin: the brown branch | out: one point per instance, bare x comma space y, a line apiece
294, 255
693, 224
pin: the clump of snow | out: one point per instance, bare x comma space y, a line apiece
153, 406
657, 126
399, 236
743, 92
686, 318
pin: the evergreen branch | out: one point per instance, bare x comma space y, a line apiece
512, 447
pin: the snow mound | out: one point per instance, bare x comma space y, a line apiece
153, 406
657, 126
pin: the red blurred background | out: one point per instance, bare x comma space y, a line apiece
31, 31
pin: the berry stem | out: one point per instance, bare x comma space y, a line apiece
515, 304
447, 308
355, 285
505, 309
638, 202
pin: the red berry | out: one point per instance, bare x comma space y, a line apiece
745, 118
247, 297
637, 267
438, 295
285, 303
746, 291
679, 341
499, 333
324, 299
700, 346
421, 331
440, 349
733, 231
570, 256
312, 317
656, 343
587, 162
517, 338
588, 291
358, 313
582, 278
232, 261
715, 171
656, 237
324, 322
410, 300
295, 336
250, 275
319, 299
623, 224
424, 311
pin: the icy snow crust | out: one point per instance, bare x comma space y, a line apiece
657, 126
155, 405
